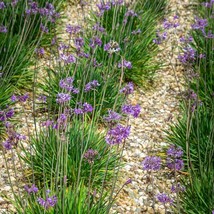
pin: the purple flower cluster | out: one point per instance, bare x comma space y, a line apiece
3, 29
174, 158
125, 64
130, 13
6, 114
160, 37
128, 89
131, 110
177, 188
152, 163
48, 202
188, 55
79, 43
112, 117
200, 24
63, 98
91, 85
103, 7
67, 84
32, 189
2, 5
67, 59
44, 28
73, 29
171, 24
48, 11
90, 155
83, 108
40, 51
61, 122
186, 39
164, 198
208, 4
112, 47
98, 27
117, 134
13, 137
21, 98
95, 41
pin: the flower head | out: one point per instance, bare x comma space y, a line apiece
63, 98
152, 163
164, 198
128, 89
131, 110
32, 189
48, 202
91, 85
117, 134
90, 155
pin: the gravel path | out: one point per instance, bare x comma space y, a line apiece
159, 110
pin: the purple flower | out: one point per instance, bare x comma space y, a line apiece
152, 163
160, 37
44, 28
188, 55
67, 84
95, 41
63, 98
104, 7
131, 110
117, 134
75, 29
68, 58
32, 189
7, 145
112, 47
79, 42
78, 111
90, 155
128, 89
13, 98
175, 163
42, 98
87, 108
112, 116
33, 8
91, 85
174, 152
200, 24
164, 199
128, 181
3, 29
2, 5
23, 98
126, 64
14, 2
177, 188
40, 51
48, 202
47, 123
8, 113
130, 13
98, 27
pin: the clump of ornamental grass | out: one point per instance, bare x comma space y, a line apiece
124, 29
194, 131
22, 27
68, 155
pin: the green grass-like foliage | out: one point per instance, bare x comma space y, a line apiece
80, 137
137, 48
194, 132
